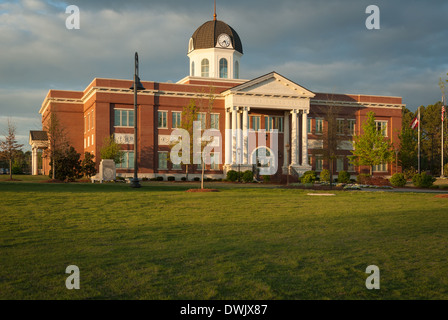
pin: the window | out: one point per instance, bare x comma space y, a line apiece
319, 163
351, 167
319, 126
85, 124
237, 70
163, 160
88, 122
205, 68
192, 69
201, 117
382, 127
309, 125
340, 123
223, 68
88, 141
339, 164
93, 122
177, 119
352, 127
273, 123
214, 121
162, 122
256, 123
380, 168
177, 166
92, 139
128, 160
124, 118
214, 161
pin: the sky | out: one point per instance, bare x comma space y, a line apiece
319, 44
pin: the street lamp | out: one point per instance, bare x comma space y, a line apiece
137, 86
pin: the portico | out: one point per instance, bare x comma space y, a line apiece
38, 140
271, 92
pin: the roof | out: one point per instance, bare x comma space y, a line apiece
38, 135
206, 36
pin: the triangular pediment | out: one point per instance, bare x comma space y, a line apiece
272, 84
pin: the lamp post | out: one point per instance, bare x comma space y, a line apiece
137, 86
288, 149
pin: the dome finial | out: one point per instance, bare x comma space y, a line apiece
214, 15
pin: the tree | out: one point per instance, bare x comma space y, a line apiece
9, 146
66, 165
57, 140
332, 137
371, 148
88, 165
111, 150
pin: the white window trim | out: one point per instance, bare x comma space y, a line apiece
350, 133
166, 114
219, 118
172, 115
337, 126
315, 126
158, 160
251, 123
120, 116
387, 126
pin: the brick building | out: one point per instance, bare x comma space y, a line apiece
268, 102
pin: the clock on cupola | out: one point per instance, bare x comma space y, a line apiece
215, 51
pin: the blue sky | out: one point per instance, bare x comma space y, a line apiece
322, 45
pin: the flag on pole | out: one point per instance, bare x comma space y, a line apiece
414, 123
443, 108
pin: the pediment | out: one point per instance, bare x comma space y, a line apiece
272, 84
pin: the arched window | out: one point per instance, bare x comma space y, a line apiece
236, 71
190, 45
192, 69
223, 68
205, 66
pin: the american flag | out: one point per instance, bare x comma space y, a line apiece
443, 108
414, 123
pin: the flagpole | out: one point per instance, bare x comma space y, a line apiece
419, 161
443, 121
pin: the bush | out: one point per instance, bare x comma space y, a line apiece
309, 177
197, 179
325, 175
159, 179
171, 179
344, 177
17, 170
266, 179
398, 180
183, 179
248, 176
232, 176
423, 180
409, 173
363, 178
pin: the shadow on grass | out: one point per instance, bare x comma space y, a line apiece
84, 187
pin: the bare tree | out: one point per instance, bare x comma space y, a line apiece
57, 139
9, 146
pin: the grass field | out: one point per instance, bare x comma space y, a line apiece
160, 242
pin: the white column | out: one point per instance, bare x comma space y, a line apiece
294, 140
239, 138
246, 135
305, 137
35, 162
234, 135
228, 137
286, 140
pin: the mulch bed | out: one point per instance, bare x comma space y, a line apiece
202, 190
52, 181
313, 187
12, 180
443, 196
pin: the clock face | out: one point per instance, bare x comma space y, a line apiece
224, 40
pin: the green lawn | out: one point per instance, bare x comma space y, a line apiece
160, 242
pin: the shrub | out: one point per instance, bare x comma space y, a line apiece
197, 179
325, 175
423, 180
398, 180
309, 177
183, 179
363, 178
266, 179
248, 176
159, 179
409, 173
17, 170
171, 179
232, 175
344, 177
